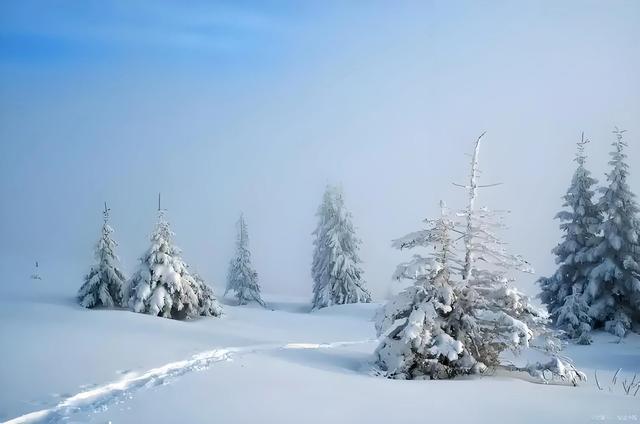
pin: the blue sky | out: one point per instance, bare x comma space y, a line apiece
255, 106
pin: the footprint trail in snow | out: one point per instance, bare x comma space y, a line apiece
102, 396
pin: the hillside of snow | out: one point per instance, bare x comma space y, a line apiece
63, 363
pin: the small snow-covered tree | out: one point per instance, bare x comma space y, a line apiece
163, 285
104, 284
613, 291
242, 278
478, 317
336, 271
36, 273
563, 292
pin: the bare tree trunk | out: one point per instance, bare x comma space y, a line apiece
473, 191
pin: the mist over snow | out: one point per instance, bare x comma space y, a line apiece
255, 108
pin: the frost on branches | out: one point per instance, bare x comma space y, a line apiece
105, 282
613, 291
563, 292
242, 278
336, 273
163, 286
460, 315
420, 324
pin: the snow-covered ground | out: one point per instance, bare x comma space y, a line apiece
60, 362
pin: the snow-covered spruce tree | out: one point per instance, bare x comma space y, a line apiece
242, 278
336, 273
163, 286
207, 302
613, 291
487, 314
420, 325
562, 293
104, 284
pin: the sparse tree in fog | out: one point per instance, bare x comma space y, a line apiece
242, 279
336, 271
36, 272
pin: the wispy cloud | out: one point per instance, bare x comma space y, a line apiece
139, 24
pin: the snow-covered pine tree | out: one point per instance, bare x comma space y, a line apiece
562, 293
613, 291
104, 284
336, 272
242, 278
163, 286
485, 315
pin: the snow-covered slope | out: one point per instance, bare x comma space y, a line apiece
60, 362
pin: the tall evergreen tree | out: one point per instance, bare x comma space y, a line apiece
163, 285
242, 278
336, 271
562, 293
613, 291
105, 282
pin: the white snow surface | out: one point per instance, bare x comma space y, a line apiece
60, 362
